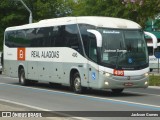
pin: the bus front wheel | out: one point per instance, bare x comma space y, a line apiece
77, 88
22, 79
117, 91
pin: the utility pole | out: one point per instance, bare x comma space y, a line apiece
30, 16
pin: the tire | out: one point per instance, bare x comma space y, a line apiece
117, 91
150, 69
22, 79
77, 88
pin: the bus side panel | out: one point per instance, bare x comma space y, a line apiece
42, 70
32, 70
10, 62
11, 67
56, 71
84, 74
67, 69
7, 67
50, 71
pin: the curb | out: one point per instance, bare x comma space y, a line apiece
154, 87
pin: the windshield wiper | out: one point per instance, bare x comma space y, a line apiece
117, 61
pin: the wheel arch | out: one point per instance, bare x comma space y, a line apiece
72, 72
19, 68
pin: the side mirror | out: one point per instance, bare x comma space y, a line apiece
98, 36
154, 39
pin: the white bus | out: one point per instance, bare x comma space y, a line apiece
80, 52
152, 44
1, 62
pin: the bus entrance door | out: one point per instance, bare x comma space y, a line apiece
93, 75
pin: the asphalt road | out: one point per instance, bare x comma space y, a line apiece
44, 97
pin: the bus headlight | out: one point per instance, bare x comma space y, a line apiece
146, 83
107, 74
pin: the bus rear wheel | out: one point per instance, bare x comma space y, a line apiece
117, 91
77, 88
22, 79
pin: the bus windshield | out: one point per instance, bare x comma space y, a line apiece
123, 49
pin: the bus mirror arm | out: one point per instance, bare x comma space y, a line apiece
154, 39
98, 36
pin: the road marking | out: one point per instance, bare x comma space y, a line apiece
135, 104
41, 109
154, 87
9, 78
141, 93
21, 104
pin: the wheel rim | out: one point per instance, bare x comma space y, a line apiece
77, 84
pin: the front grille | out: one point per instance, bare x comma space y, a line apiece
128, 77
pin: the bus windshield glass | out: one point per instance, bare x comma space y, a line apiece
123, 49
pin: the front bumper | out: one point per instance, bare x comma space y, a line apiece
114, 82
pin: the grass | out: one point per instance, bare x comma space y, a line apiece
154, 80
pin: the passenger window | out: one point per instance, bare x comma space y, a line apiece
43, 37
21, 40
71, 36
31, 37
12, 39
54, 35
60, 37
8, 40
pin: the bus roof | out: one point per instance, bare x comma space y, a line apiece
108, 22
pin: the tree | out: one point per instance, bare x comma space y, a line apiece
13, 13
136, 10
8, 17
142, 10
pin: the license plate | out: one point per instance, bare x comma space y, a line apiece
128, 84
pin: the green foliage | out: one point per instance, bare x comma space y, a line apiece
154, 80
138, 11
13, 13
